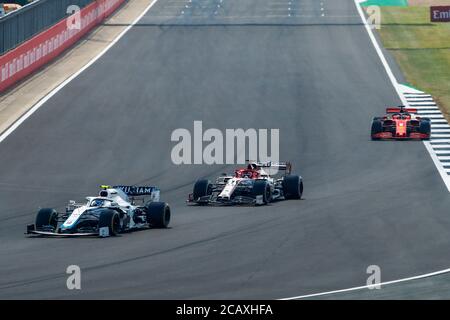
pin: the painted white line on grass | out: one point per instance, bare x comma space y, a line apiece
41, 102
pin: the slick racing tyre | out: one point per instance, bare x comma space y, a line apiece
292, 187
425, 126
202, 188
262, 188
46, 217
377, 127
158, 214
110, 219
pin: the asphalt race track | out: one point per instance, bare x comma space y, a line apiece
245, 64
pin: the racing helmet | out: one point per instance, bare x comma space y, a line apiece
247, 174
103, 193
97, 203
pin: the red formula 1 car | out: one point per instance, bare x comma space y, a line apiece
401, 123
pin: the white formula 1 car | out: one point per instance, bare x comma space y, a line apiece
113, 211
253, 185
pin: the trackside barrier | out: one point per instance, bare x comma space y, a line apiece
47, 45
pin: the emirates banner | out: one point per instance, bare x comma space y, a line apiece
440, 14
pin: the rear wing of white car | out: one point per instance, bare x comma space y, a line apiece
135, 191
282, 166
141, 193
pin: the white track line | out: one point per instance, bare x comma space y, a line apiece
440, 154
427, 275
418, 95
425, 103
438, 128
430, 112
25, 116
422, 108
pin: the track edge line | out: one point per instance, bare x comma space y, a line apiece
371, 286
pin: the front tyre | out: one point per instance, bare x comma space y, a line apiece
292, 187
262, 188
111, 220
46, 218
158, 214
377, 127
202, 188
425, 127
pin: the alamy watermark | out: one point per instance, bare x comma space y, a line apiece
234, 146
374, 280
374, 17
74, 19
73, 281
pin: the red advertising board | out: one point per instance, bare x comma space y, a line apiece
47, 45
440, 14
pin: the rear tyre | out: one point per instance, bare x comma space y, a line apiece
202, 188
110, 219
377, 127
158, 214
262, 188
46, 217
293, 187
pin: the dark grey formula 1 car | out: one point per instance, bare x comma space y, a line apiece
113, 211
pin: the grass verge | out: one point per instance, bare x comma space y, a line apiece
421, 48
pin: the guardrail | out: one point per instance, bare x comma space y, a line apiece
20, 25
